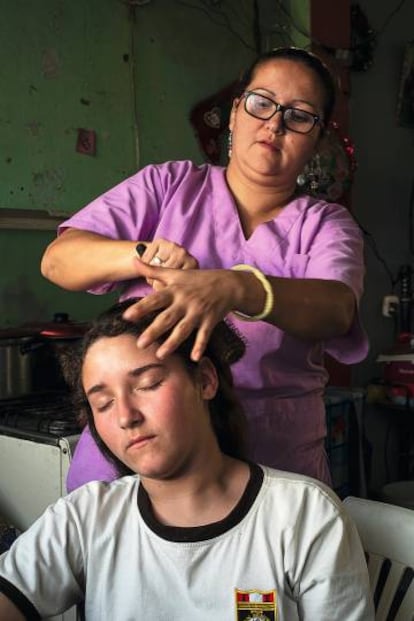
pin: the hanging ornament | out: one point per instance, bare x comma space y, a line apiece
329, 174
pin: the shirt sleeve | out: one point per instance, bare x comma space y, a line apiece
129, 211
42, 573
336, 252
330, 577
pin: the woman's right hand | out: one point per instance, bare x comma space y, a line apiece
79, 260
164, 253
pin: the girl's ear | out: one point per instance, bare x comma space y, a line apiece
208, 378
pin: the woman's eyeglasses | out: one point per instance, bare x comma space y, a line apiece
294, 119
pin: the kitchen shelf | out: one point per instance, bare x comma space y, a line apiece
29, 219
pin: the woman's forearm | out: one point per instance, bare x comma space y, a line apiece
313, 308
306, 308
79, 260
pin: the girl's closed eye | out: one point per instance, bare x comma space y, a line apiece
102, 406
142, 386
149, 385
147, 380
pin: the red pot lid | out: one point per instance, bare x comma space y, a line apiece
69, 331
61, 327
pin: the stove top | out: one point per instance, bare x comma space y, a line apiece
48, 413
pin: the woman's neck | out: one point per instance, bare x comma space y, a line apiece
258, 202
201, 497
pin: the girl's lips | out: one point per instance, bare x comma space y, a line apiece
137, 442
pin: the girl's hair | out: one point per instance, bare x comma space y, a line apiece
225, 346
304, 57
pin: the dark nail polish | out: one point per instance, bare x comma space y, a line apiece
140, 248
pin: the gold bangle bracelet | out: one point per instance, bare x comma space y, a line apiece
269, 302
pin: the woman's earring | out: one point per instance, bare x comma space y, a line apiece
230, 144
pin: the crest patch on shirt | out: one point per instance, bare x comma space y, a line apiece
256, 605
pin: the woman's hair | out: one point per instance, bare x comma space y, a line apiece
225, 346
304, 57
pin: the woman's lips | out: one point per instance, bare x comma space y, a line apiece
271, 146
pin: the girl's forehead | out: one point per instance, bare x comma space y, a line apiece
109, 360
121, 353
106, 351
110, 343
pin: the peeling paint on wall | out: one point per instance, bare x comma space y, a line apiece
48, 185
63, 65
34, 127
50, 63
19, 303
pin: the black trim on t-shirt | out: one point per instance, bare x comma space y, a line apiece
19, 600
208, 531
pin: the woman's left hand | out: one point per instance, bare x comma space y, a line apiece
191, 299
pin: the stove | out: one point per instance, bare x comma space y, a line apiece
38, 434
42, 417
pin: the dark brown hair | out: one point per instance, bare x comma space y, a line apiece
304, 57
225, 346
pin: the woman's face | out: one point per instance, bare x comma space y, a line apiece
264, 148
151, 414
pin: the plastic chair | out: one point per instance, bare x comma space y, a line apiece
387, 535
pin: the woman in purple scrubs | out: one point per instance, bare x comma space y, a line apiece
243, 241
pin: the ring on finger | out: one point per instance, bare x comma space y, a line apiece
157, 260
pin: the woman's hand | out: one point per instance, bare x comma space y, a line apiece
308, 309
165, 253
192, 300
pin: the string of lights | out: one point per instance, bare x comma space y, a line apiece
221, 18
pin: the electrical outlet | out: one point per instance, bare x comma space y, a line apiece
389, 305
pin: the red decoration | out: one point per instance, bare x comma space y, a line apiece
210, 120
86, 142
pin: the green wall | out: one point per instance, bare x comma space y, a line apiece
183, 58
130, 75
299, 21
62, 69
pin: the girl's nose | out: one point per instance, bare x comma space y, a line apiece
129, 415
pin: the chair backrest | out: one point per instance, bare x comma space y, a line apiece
387, 535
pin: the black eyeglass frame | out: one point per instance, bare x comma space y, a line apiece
279, 108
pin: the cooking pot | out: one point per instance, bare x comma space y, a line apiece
15, 367
29, 355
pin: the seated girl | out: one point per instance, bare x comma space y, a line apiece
193, 530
